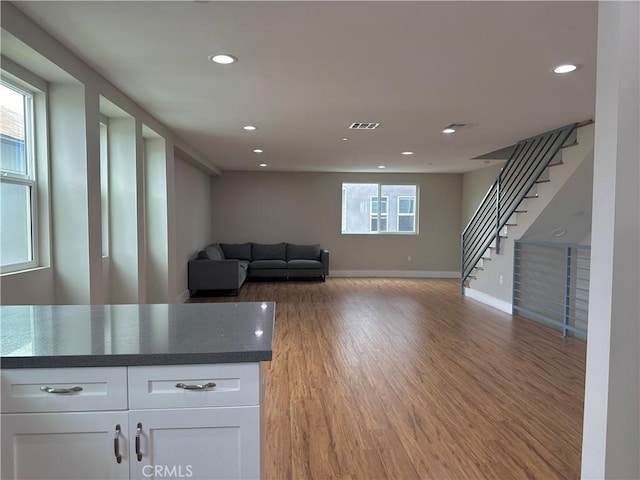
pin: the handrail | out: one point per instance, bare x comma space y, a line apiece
554, 293
527, 162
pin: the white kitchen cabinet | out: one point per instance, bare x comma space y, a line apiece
209, 427
207, 444
49, 434
63, 446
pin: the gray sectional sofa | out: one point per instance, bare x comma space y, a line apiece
226, 266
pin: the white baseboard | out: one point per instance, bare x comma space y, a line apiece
393, 273
183, 297
494, 302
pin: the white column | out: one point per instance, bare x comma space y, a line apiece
75, 199
611, 435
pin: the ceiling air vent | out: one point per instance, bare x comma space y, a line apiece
363, 126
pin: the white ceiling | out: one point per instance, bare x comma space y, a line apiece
307, 70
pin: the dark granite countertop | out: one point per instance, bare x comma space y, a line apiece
40, 336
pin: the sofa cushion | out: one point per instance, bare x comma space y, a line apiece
212, 252
261, 251
241, 251
267, 264
303, 252
244, 264
300, 264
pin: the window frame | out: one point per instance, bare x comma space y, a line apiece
30, 178
401, 214
366, 208
380, 215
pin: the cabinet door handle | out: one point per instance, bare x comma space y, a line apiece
116, 445
195, 387
61, 390
138, 433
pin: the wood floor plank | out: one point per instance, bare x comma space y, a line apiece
406, 378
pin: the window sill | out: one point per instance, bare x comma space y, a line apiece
23, 271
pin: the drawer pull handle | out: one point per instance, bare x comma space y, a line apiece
195, 387
116, 444
138, 433
61, 390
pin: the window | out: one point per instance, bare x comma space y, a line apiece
18, 224
371, 208
406, 214
381, 216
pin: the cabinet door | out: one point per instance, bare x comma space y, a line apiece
196, 443
64, 446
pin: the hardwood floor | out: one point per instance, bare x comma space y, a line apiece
406, 378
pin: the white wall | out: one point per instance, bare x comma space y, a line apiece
271, 207
193, 218
474, 187
611, 434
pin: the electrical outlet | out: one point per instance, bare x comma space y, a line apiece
501, 280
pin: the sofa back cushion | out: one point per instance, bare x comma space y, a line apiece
303, 252
241, 251
276, 251
212, 252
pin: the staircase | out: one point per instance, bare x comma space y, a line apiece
527, 170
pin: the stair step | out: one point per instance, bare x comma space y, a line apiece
570, 145
543, 181
520, 211
473, 277
479, 268
511, 225
555, 164
531, 196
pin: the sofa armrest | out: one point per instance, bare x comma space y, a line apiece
214, 274
324, 259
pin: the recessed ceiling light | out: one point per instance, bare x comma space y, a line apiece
262, 164
407, 153
381, 166
223, 59
250, 128
565, 68
449, 130
257, 150
344, 139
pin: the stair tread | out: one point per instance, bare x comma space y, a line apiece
570, 145
543, 181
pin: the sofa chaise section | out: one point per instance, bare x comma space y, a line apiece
212, 271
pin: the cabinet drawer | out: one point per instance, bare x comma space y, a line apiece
72, 389
236, 384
